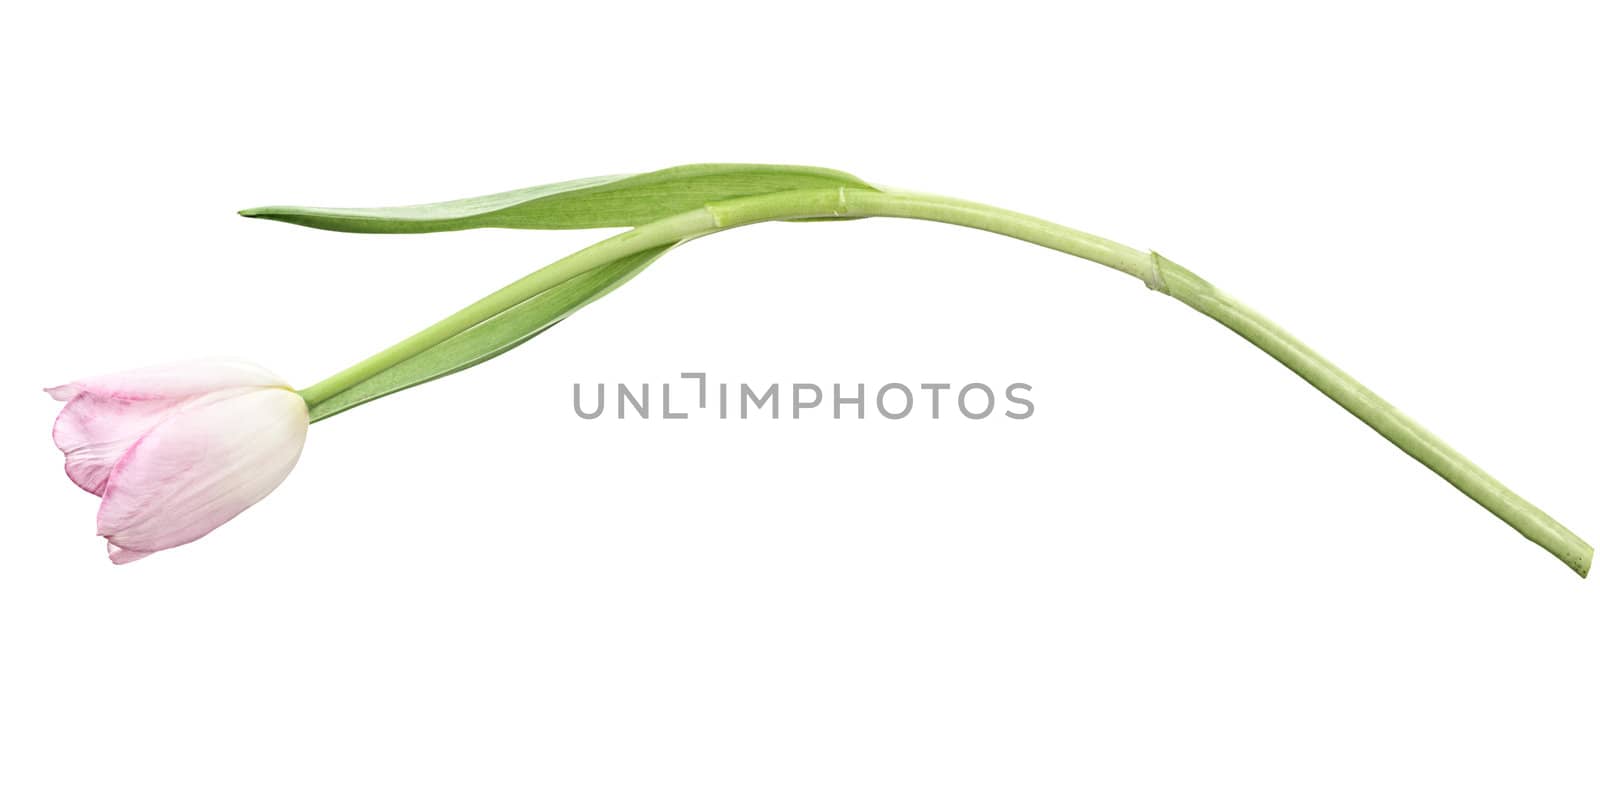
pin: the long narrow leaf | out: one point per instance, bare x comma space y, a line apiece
601, 202
493, 336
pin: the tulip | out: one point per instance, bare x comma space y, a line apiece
175, 451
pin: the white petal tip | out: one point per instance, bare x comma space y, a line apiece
122, 555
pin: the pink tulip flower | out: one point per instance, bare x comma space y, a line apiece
175, 451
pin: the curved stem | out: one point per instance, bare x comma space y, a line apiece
1157, 272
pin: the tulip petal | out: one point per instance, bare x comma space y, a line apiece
122, 555
172, 381
94, 432
107, 414
205, 463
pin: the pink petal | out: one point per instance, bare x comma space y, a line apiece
172, 381
122, 555
63, 392
105, 415
205, 463
94, 432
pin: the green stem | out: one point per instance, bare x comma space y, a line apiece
1157, 272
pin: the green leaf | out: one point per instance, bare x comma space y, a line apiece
601, 202
493, 336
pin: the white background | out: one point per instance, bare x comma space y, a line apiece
1188, 570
